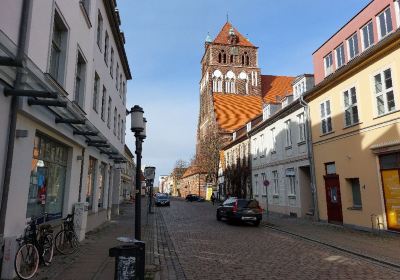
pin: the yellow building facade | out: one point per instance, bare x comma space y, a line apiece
355, 127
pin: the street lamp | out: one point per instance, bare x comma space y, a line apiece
138, 126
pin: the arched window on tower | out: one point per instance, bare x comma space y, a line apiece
219, 57
223, 56
230, 86
231, 58
242, 59
247, 60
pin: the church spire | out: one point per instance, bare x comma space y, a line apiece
227, 33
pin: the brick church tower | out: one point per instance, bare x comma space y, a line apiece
229, 70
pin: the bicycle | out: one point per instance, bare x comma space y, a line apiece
35, 246
66, 241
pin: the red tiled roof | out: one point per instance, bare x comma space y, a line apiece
233, 110
274, 88
223, 36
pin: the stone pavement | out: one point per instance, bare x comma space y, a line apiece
208, 249
380, 245
92, 261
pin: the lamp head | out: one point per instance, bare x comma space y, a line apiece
137, 124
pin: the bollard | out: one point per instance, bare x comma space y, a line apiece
129, 261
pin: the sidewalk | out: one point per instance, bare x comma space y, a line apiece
92, 260
379, 245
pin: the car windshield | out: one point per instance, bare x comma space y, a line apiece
162, 196
244, 203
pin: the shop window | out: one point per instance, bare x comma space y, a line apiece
102, 178
91, 182
47, 180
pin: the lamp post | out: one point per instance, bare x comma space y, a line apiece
138, 126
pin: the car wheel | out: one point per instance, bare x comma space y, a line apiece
256, 223
218, 216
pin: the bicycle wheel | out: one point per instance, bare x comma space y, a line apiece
66, 242
26, 261
48, 249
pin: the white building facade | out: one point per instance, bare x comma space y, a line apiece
70, 131
281, 177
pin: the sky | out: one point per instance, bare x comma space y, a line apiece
165, 43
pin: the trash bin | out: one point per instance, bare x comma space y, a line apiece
129, 261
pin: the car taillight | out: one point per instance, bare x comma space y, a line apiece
235, 207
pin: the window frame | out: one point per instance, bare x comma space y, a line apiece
328, 70
80, 79
288, 134
103, 103
291, 182
326, 117
275, 179
351, 42
96, 89
384, 91
273, 137
350, 105
378, 23
99, 32
302, 127
370, 31
343, 56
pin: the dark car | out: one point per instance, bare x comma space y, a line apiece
162, 199
194, 197
237, 209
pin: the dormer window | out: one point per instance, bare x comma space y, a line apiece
234, 136
385, 25
328, 61
266, 112
248, 126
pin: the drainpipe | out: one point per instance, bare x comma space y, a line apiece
22, 36
310, 155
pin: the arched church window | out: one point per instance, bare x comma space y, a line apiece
223, 56
219, 57
247, 60
231, 58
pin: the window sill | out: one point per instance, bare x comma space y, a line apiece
85, 15
386, 114
352, 125
288, 147
292, 196
328, 133
301, 143
357, 208
275, 196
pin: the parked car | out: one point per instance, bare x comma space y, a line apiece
237, 209
194, 197
162, 199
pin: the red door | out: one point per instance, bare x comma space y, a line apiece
333, 199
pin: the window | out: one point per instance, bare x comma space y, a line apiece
120, 85
276, 182
116, 76
290, 174
122, 132
80, 74
326, 121
47, 178
124, 93
264, 189
367, 34
384, 95
385, 25
119, 126
340, 56
102, 184
109, 112
328, 64
262, 145
86, 5
99, 29
350, 106
255, 148
112, 63
231, 60
256, 189
115, 121
106, 46
96, 87
302, 127
273, 136
91, 182
103, 103
288, 134
356, 192
353, 46
330, 168
58, 49
397, 12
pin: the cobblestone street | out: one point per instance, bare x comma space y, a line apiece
208, 249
